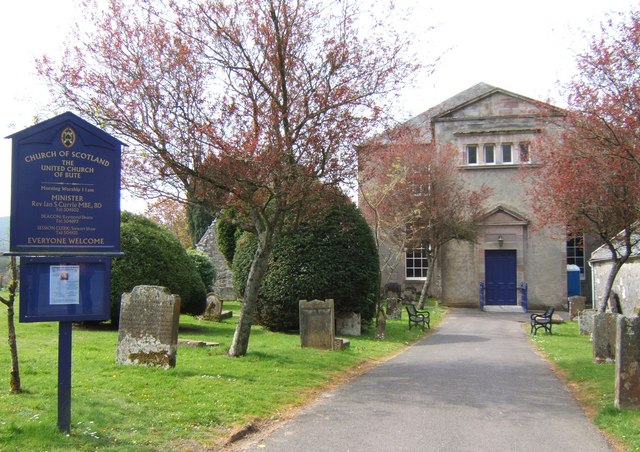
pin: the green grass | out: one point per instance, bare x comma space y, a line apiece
594, 383
116, 407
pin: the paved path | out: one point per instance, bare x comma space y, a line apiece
467, 387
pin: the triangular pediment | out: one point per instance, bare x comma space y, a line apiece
503, 216
496, 103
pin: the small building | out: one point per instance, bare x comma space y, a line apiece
513, 264
627, 282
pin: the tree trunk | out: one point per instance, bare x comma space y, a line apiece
424, 294
14, 378
240, 342
617, 265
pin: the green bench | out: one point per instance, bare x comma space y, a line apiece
418, 317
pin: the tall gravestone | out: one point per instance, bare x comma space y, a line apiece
317, 324
628, 363
604, 337
585, 321
148, 332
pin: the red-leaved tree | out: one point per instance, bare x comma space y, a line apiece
415, 197
590, 180
249, 104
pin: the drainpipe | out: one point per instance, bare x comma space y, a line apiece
593, 285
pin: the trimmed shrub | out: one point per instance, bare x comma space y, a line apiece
154, 256
334, 257
204, 267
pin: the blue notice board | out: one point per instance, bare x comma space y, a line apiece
65, 189
65, 289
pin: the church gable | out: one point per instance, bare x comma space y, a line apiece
496, 104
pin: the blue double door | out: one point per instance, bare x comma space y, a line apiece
500, 277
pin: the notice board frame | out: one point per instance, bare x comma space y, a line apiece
93, 290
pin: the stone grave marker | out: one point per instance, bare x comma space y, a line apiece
585, 321
148, 331
604, 337
349, 324
317, 324
628, 363
576, 306
213, 311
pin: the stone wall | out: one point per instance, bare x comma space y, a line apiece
626, 284
224, 278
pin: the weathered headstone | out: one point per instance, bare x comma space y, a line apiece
148, 332
604, 337
349, 324
585, 322
628, 363
317, 324
409, 294
576, 306
213, 311
394, 308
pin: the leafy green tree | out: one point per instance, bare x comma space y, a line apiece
154, 256
238, 104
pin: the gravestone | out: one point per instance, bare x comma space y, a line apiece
628, 363
213, 311
394, 308
585, 322
349, 324
576, 306
604, 337
148, 332
317, 324
410, 294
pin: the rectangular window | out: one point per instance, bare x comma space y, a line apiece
489, 153
416, 263
472, 154
506, 153
575, 254
524, 152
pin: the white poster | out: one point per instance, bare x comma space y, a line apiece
64, 284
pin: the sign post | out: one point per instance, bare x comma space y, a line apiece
65, 225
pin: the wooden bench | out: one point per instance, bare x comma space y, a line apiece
542, 321
418, 317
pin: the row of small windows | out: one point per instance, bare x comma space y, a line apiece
491, 153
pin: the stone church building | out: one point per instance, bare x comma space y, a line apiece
514, 265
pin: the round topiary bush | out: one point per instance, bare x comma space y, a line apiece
334, 257
154, 256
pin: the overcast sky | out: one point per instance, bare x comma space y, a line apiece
524, 47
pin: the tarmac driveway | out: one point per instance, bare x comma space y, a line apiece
476, 384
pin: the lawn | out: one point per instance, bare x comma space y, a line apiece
593, 384
207, 395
